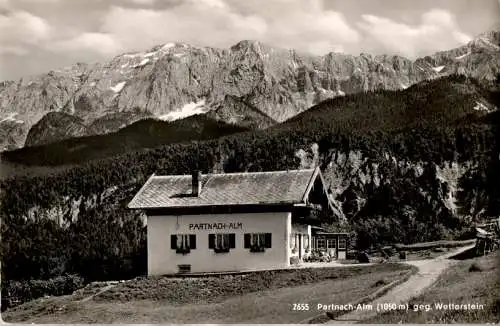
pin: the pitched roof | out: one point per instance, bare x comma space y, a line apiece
258, 188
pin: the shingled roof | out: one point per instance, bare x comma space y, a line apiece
257, 188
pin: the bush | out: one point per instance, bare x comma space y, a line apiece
380, 282
363, 257
18, 292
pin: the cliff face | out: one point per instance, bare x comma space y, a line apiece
409, 194
249, 83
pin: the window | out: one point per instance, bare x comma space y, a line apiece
184, 268
257, 239
221, 242
294, 240
331, 243
342, 243
321, 243
257, 242
183, 243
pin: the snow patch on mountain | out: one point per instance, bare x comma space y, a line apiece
11, 118
168, 46
132, 55
438, 69
462, 56
118, 87
187, 110
150, 54
142, 63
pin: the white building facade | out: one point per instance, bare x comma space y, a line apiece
230, 222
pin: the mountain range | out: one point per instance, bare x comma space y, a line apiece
251, 84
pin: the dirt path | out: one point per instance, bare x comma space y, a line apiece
429, 271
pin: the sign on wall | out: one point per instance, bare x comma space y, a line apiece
216, 226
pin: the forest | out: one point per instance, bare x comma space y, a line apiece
434, 122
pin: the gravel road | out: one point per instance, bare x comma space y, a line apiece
429, 271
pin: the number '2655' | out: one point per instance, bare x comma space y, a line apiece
300, 306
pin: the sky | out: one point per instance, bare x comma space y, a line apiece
37, 36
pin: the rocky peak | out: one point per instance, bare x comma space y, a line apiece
247, 45
489, 40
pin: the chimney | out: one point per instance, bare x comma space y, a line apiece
196, 183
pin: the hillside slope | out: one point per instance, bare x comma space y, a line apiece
428, 102
55, 126
143, 134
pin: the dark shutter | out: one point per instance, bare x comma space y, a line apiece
173, 241
267, 240
232, 240
192, 241
211, 241
246, 240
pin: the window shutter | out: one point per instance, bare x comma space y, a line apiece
246, 240
267, 240
173, 241
232, 240
211, 241
192, 241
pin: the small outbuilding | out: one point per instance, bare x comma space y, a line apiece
333, 243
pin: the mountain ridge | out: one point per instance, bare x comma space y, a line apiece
174, 80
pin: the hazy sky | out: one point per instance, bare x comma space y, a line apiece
39, 35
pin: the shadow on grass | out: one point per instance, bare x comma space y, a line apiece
468, 254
